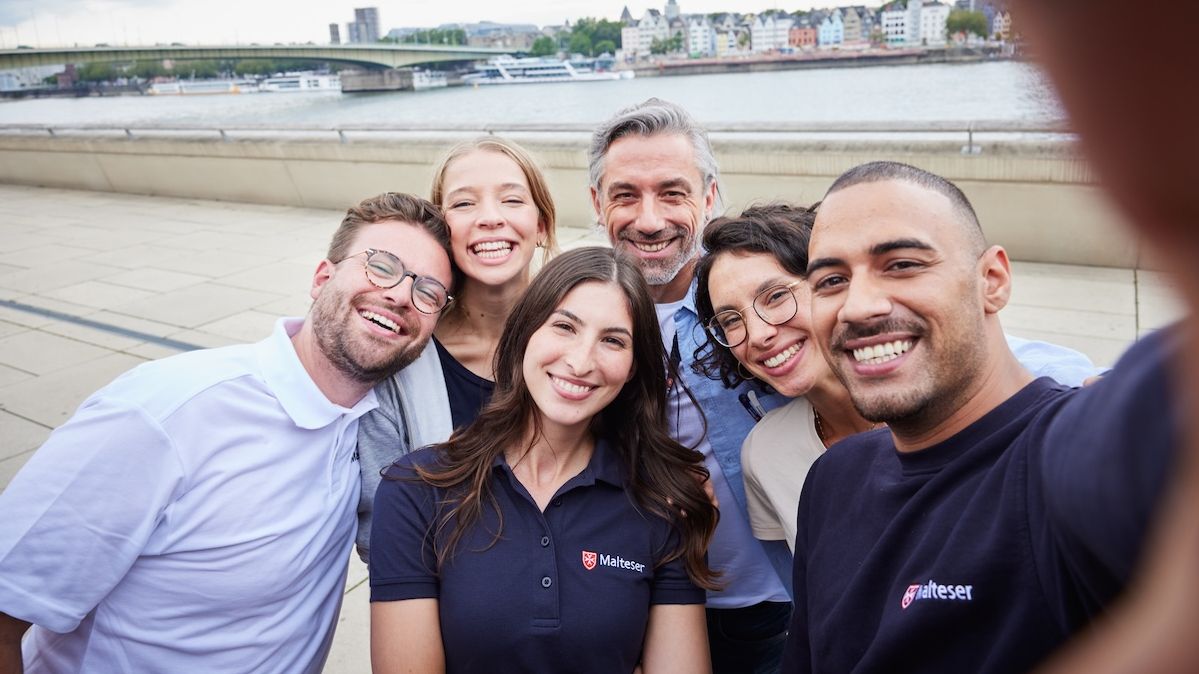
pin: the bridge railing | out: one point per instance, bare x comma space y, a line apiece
969, 132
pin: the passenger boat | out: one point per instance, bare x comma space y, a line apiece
308, 81
428, 79
192, 87
509, 70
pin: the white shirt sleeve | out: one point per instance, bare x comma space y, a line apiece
81, 511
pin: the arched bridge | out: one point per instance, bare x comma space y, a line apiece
374, 56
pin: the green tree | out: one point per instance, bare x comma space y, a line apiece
604, 47
197, 70
580, 43
452, 36
147, 70
544, 46
96, 72
965, 21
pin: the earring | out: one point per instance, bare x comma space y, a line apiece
744, 375
541, 244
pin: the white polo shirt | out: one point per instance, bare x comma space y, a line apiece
195, 515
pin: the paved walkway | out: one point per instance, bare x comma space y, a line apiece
92, 284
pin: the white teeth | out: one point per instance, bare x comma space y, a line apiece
569, 387
781, 357
491, 250
881, 353
380, 320
651, 247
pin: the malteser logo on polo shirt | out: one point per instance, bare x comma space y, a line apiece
934, 590
591, 559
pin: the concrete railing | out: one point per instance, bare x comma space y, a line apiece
1032, 191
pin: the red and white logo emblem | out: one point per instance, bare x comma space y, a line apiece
588, 560
909, 596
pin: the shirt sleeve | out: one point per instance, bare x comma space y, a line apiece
402, 562
1043, 359
82, 510
1106, 458
763, 518
382, 439
671, 584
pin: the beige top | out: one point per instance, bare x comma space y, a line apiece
775, 459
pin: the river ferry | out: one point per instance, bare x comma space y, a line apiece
508, 70
193, 87
291, 82
428, 79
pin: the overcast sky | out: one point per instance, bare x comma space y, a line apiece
118, 22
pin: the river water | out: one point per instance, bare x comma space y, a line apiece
1006, 91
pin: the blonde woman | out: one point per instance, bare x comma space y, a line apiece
500, 213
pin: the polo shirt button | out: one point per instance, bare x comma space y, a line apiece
546, 581
557, 501
545, 540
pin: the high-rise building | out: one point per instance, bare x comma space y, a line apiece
367, 19
334, 34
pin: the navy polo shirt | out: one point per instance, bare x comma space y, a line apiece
567, 589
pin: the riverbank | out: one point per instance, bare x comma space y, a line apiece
860, 58
354, 81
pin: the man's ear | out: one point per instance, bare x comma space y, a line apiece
996, 272
710, 201
595, 205
324, 272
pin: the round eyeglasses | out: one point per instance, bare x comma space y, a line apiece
775, 305
385, 270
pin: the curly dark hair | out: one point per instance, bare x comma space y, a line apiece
779, 229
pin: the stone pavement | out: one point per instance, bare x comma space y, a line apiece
92, 284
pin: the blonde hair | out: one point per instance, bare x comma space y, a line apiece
537, 186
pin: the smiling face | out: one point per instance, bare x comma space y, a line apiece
576, 363
494, 224
653, 202
899, 301
365, 332
780, 355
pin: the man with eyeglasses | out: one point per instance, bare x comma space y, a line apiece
654, 186
195, 515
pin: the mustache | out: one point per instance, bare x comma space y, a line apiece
850, 331
664, 233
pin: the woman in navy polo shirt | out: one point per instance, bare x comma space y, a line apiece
549, 535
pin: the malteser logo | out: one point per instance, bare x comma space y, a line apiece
591, 559
934, 590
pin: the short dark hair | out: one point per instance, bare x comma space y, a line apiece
387, 207
878, 171
779, 229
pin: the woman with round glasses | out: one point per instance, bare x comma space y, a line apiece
499, 211
550, 535
753, 300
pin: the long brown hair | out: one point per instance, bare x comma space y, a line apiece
664, 477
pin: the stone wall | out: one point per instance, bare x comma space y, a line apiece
1038, 199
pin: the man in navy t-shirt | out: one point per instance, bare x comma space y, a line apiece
998, 514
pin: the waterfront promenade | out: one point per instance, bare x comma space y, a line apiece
93, 283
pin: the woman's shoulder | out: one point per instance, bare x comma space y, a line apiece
784, 423
408, 465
